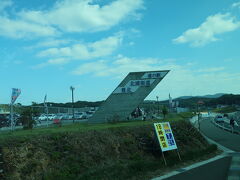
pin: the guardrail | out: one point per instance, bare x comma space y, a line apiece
235, 131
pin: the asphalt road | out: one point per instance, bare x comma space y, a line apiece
225, 138
218, 169
227, 125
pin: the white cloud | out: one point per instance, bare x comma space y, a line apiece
84, 16
58, 61
236, 4
181, 80
118, 68
22, 29
68, 16
213, 69
98, 68
53, 42
84, 51
207, 31
54, 61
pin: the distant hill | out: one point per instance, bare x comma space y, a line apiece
206, 96
213, 96
227, 99
209, 100
78, 104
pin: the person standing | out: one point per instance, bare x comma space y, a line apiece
144, 116
232, 124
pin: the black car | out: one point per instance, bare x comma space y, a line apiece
4, 120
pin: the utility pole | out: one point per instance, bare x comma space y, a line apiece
158, 105
72, 89
198, 112
198, 115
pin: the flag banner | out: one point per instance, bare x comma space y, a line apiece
15, 93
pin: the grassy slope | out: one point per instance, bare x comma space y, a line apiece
81, 127
105, 151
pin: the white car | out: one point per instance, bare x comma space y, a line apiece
80, 115
51, 116
69, 116
65, 116
90, 113
42, 117
219, 119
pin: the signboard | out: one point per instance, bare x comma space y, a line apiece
133, 86
165, 136
154, 75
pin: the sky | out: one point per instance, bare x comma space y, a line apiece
46, 46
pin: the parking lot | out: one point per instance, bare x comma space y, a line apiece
57, 116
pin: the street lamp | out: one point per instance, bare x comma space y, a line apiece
158, 104
72, 89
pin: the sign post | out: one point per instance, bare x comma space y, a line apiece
165, 138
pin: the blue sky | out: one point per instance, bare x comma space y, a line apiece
48, 46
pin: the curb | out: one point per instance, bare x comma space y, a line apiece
234, 169
182, 170
223, 148
226, 152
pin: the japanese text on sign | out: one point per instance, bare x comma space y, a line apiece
165, 136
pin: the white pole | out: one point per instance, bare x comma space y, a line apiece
47, 113
11, 111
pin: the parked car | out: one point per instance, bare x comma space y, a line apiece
4, 120
69, 116
90, 113
219, 119
80, 115
51, 116
42, 117
65, 116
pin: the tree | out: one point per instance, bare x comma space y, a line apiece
26, 117
164, 111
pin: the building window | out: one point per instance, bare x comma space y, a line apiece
123, 90
148, 83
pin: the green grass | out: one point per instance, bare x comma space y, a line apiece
186, 115
228, 109
99, 151
81, 127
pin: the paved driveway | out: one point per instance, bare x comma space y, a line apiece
225, 138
